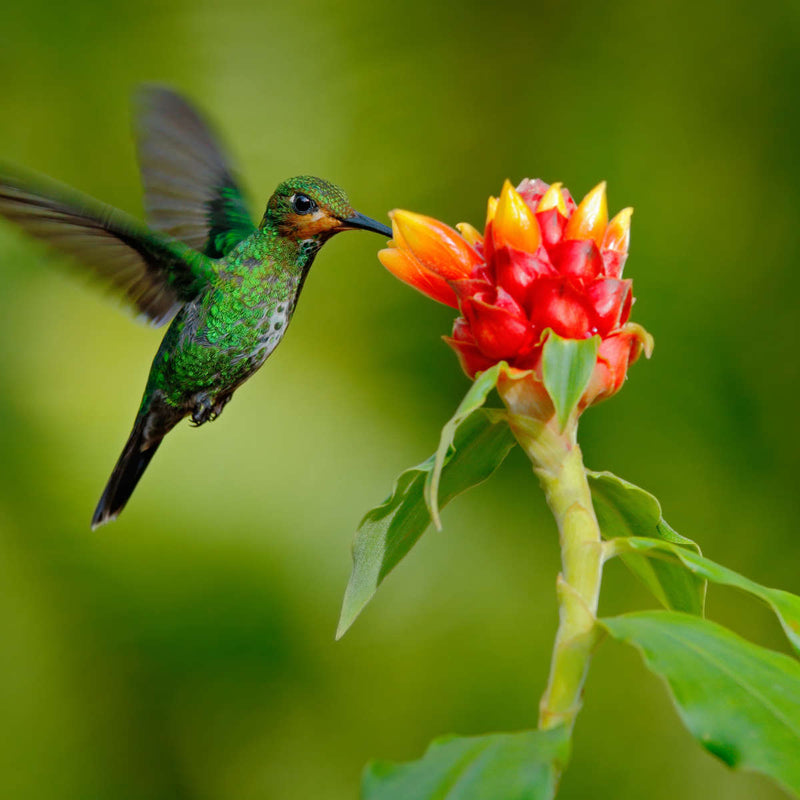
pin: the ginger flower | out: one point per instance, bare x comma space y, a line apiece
542, 264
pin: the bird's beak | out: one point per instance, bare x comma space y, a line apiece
360, 222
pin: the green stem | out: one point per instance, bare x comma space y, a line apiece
558, 463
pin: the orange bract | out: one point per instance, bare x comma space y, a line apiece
591, 217
514, 223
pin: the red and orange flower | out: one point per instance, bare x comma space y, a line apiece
543, 264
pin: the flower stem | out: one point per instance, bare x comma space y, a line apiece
558, 463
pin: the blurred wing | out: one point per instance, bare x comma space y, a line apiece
154, 275
189, 189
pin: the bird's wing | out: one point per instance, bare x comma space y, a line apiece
190, 191
152, 273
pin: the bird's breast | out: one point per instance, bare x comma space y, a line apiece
248, 323
221, 338
268, 330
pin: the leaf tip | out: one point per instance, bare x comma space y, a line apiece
724, 751
346, 619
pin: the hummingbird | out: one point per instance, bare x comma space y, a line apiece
228, 286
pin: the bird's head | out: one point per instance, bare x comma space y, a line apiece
304, 208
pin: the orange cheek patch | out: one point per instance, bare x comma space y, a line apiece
307, 225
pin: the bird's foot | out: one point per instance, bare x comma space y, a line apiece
219, 405
206, 411
203, 412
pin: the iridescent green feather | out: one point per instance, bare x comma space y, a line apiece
151, 272
323, 192
190, 192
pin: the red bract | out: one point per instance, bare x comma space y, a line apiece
542, 264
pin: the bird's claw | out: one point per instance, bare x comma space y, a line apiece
205, 411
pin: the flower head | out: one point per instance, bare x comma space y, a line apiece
543, 263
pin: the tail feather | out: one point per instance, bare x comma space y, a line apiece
130, 467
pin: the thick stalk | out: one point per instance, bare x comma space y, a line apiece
558, 463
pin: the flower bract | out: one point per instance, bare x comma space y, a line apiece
542, 264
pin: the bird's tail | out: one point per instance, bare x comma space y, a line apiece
131, 465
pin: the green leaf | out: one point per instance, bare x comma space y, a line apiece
567, 366
785, 605
473, 400
624, 509
499, 766
741, 701
388, 532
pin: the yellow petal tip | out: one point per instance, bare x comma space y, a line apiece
553, 198
590, 218
470, 234
618, 233
514, 223
491, 209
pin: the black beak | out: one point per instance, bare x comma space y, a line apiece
360, 222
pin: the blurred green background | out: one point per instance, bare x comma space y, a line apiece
187, 651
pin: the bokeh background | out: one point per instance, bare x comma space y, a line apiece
187, 651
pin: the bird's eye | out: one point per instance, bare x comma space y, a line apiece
303, 204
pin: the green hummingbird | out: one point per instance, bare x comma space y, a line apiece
230, 287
